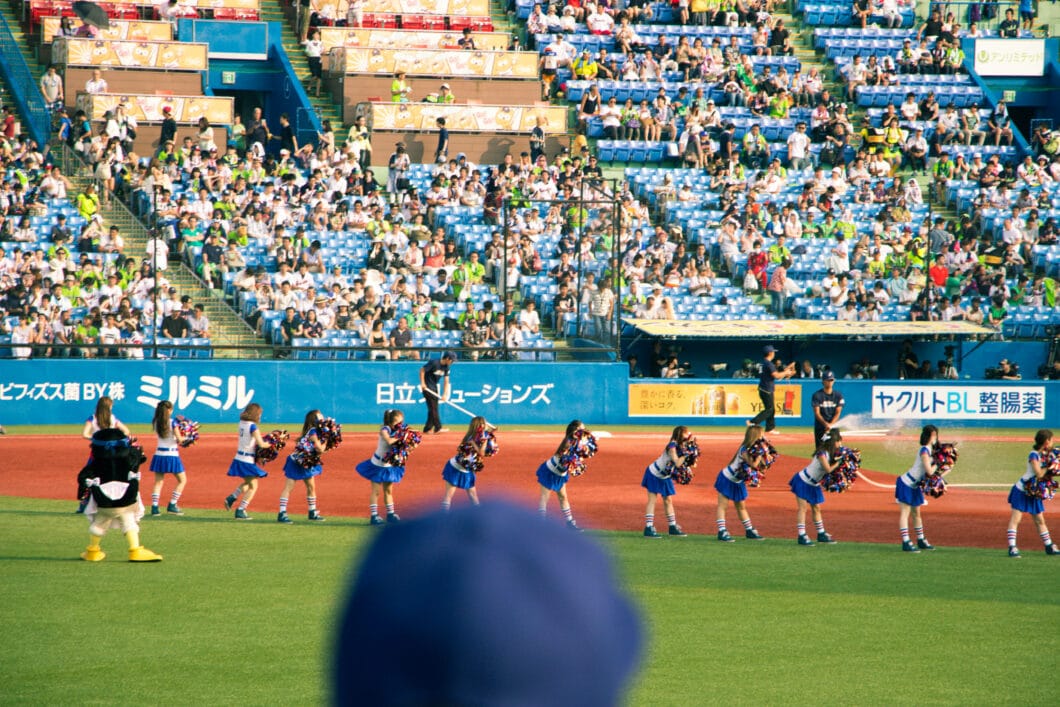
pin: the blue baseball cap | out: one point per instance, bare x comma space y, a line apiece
469, 607
768, 349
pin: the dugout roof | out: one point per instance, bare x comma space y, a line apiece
802, 329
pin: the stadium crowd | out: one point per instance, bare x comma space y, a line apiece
219, 203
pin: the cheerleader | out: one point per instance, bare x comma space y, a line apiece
806, 485
909, 491
167, 458
1022, 503
295, 472
658, 482
457, 473
553, 476
244, 465
383, 475
731, 487
102, 419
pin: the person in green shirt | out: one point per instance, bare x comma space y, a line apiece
827, 228
470, 272
780, 105
84, 334
399, 89
433, 320
778, 252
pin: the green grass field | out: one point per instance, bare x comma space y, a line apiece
242, 614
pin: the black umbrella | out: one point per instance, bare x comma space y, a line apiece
91, 14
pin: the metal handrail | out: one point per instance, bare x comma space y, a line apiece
25, 94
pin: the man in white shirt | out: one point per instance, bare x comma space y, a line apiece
599, 22
848, 313
799, 148
529, 320
51, 87
96, 84
910, 109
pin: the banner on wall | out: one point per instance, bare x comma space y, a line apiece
772, 328
737, 400
431, 62
148, 108
173, 56
135, 30
65, 392
337, 8
961, 402
406, 39
465, 118
1010, 57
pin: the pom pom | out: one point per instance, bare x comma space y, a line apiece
934, 485
582, 446
945, 456
689, 452
405, 440
845, 473
188, 429
329, 432
763, 455
1045, 487
274, 442
467, 454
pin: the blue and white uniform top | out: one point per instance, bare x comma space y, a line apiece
1029, 475
814, 471
555, 467
660, 468
732, 471
247, 446
114, 422
381, 448
168, 446
917, 473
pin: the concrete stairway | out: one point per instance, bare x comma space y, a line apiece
324, 105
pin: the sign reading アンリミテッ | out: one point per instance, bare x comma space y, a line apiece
1010, 57
964, 402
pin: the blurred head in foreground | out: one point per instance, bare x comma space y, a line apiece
486, 605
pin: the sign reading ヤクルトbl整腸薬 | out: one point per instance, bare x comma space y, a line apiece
968, 402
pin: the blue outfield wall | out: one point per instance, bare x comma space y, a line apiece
65, 392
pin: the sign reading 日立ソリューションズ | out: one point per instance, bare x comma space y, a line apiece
1010, 57
967, 402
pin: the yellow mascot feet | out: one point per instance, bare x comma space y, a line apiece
142, 554
93, 554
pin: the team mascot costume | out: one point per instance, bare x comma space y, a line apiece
111, 483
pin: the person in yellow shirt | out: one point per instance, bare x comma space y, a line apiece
88, 202
399, 88
584, 67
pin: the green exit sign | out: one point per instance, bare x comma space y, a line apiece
228, 77
1008, 96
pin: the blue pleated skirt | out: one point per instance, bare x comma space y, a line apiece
732, 490
807, 492
908, 496
553, 482
1024, 503
245, 469
380, 474
460, 479
294, 470
167, 465
663, 487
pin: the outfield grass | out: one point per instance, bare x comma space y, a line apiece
241, 613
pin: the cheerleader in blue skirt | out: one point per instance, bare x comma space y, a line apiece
909, 491
553, 477
1022, 503
244, 465
731, 487
382, 475
659, 482
167, 458
295, 472
806, 485
458, 473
